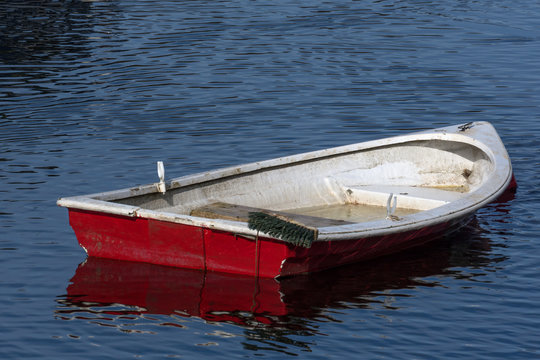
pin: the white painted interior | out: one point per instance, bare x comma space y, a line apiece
443, 173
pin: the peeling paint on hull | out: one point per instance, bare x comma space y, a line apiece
192, 247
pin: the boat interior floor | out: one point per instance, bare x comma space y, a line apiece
233, 212
362, 204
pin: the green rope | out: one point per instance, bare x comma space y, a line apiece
282, 228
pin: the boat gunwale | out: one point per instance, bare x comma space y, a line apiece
487, 192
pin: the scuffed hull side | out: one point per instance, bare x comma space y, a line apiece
138, 239
325, 255
171, 244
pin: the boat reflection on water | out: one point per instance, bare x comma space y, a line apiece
119, 288
165, 290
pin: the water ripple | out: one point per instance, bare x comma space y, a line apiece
92, 93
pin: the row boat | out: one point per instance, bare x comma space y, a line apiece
302, 213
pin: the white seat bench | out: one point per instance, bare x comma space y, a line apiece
410, 197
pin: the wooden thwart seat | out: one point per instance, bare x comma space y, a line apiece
225, 211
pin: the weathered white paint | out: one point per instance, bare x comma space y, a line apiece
418, 168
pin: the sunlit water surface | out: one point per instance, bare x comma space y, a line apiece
93, 93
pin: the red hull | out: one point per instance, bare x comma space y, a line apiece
171, 244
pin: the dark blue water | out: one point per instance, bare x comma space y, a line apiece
93, 93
